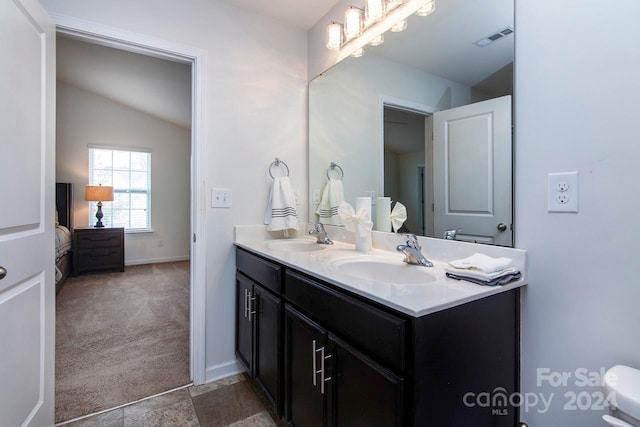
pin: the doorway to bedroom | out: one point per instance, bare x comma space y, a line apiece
123, 336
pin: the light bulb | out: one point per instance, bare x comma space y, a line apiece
374, 11
334, 36
399, 26
377, 41
352, 23
427, 9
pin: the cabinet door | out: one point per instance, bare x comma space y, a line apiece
244, 324
361, 392
268, 342
304, 339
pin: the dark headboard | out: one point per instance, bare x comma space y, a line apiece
64, 204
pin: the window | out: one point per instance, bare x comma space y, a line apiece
129, 172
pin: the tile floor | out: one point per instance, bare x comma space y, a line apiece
231, 401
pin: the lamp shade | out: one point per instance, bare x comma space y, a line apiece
98, 193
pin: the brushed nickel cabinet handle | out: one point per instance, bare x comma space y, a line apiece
246, 303
251, 306
314, 351
3, 273
323, 379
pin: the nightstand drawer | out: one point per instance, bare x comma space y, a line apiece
100, 255
102, 239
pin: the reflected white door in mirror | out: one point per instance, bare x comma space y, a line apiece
472, 172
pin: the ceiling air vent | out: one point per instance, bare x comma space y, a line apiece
486, 41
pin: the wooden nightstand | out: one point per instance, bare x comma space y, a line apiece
98, 249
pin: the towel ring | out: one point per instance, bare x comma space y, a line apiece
333, 166
278, 162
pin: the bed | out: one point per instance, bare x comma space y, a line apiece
64, 225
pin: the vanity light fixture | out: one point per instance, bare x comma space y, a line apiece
334, 36
399, 26
377, 41
358, 53
374, 11
427, 9
362, 27
352, 23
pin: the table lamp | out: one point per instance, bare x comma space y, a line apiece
98, 193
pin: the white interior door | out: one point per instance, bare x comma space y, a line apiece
473, 173
27, 288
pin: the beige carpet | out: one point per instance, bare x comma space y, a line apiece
121, 337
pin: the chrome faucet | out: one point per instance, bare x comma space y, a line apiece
413, 251
451, 234
321, 234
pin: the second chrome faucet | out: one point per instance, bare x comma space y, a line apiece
413, 251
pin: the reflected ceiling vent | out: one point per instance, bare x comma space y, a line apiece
486, 41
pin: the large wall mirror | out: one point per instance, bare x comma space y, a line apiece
425, 119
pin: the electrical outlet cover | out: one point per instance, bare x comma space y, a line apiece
562, 192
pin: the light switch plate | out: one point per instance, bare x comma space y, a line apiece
562, 192
220, 198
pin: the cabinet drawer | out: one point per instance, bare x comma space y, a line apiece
99, 239
268, 274
100, 257
379, 332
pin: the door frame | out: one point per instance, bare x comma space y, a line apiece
412, 107
138, 43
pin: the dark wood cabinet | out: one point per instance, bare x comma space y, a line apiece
337, 359
244, 328
305, 386
259, 325
98, 249
330, 383
361, 392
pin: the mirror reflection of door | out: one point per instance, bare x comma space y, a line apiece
472, 172
404, 164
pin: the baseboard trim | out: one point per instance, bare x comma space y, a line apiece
157, 260
223, 370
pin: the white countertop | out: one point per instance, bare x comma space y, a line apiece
415, 299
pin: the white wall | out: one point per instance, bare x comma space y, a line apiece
85, 118
255, 110
576, 95
576, 103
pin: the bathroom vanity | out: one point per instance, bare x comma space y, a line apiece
333, 349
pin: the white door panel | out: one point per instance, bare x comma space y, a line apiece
19, 35
472, 171
27, 162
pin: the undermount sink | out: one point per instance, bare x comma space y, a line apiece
385, 270
295, 245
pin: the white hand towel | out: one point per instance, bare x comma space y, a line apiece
398, 216
332, 196
482, 262
281, 212
358, 222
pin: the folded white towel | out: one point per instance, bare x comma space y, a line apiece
482, 262
398, 216
479, 274
281, 212
332, 196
